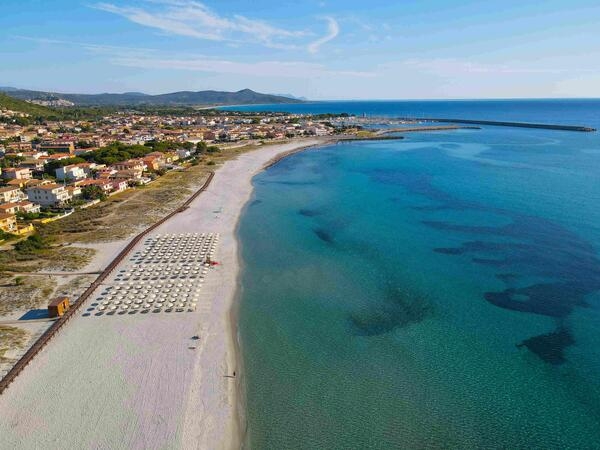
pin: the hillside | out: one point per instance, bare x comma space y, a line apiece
15, 104
183, 98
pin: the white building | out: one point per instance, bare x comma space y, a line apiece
49, 195
11, 194
72, 172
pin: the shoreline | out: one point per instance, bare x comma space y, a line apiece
128, 364
239, 425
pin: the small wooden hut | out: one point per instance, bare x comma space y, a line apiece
58, 306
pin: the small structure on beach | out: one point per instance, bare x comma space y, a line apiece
58, 306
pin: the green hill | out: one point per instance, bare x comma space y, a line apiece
182, 98
15, 104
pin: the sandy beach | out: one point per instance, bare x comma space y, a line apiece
141, 381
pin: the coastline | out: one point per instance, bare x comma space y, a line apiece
238, 425
118, 360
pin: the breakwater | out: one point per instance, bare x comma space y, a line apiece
504, 124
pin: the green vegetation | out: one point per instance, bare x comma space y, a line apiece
33, 244
40, 114
11, 161
168, 146
33, 216
4, 236
117, 152
22, 106
93, 193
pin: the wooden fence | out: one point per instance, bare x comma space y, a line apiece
56, 326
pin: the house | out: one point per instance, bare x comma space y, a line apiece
74, 191
183, 153
55, 157
9, 208
28, 207
57, 147
119, 186
135, 167
171, 157
8, 222
16, 173
58, 306
49, 195
72, 172
106, 173
36, 165
152, 163
23, 206
104, 184
11, 194
209, 136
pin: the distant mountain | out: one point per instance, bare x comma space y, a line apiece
187, 98
293, 97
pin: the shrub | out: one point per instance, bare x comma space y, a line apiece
32, 244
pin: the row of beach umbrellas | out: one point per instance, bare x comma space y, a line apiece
166, 275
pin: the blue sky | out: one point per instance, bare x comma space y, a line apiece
320, 49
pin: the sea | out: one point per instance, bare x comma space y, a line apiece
436, 291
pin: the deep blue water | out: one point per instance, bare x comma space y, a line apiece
567, 112
440, 291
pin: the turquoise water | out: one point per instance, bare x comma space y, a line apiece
440, 291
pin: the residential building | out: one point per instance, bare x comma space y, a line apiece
132, 164
8, 222
36, 165
183, 153
11, 194
49, 195
105, 185
72, 172
119, 186
16, 173
28, 207
9, 208
74, 191
57, 147
23, 206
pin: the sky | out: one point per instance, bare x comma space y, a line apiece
319, 49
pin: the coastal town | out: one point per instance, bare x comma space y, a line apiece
49, 168
106, 239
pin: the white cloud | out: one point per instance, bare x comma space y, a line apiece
288, 69
194, 19
454, 67
333, 29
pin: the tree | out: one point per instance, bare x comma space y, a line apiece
201, 147
11, 161
93, 193
32, 244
